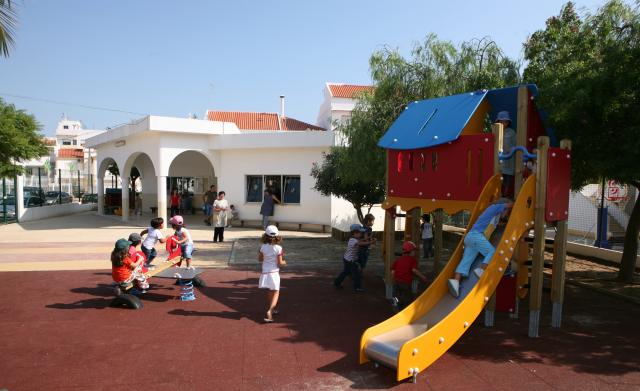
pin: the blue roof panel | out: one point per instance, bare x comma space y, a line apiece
432, 122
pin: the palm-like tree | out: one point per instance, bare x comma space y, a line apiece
8, 23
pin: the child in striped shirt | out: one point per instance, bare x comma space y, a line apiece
350, 260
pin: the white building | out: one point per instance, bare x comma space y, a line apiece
339, 101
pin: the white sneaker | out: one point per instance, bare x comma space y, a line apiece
454, 287
478, 272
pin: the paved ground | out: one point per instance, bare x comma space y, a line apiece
57, 330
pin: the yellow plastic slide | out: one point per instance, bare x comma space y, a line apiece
414, 338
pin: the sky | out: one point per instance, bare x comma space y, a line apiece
173, 58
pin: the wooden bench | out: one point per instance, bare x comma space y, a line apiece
285, 225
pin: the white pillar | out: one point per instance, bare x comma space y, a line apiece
100, 191
19, 191
162, 197
125, 198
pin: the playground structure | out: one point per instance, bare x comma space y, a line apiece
441, 159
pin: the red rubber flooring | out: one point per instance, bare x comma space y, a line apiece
57, 332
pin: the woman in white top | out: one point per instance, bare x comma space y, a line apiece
220, 208
272, 257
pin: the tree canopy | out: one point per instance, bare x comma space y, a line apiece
587, 71
434, 68
19, 139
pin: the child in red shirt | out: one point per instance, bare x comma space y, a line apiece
403, 270
125, 270
134, 253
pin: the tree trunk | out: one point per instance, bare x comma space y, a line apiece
630, 252
358, 208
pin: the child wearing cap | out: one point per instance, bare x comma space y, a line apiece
184, 238
403, 270
271, 256
125, 270
134, 253
350, 264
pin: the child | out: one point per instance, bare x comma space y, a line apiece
134, 254
184, 238
363, 249
174, 202
476, 243
124, 270
154, 235
350, 259
427, 235
234, 215
271, 257
402, 272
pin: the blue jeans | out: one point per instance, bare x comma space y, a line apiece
186, 250
265, 221
353, 269
208, 209
474, 243
149, 253
363, 256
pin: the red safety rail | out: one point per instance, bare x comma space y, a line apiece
535, 128
558, 184
454, 171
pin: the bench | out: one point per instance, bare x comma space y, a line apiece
284, 225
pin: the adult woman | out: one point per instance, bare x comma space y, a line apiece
175, 202
268, 204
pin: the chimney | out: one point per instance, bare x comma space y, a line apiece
282, 106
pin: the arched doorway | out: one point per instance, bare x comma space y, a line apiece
191, 173
142, 184
109, 184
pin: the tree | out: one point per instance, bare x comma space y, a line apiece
329, 181
588, 75
436, 68
19, 139
134, 174
8, 23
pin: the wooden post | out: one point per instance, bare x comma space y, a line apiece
559, 260
438, 218
498, 133
413, 226
388, 251
535, 293
521, 134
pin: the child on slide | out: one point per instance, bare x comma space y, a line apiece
124, 270
475, 242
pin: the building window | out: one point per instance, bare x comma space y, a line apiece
291, 193
66, 143
285, 187
254, 188
65, 126
75, 142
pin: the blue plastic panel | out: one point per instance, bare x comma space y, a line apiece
432, 122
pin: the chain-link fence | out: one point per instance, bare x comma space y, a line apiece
599, 214
8, 207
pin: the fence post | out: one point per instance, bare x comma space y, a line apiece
59, 186
39, 184
4, 200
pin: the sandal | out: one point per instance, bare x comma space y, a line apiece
267, 320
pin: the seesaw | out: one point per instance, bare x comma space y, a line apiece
170, 268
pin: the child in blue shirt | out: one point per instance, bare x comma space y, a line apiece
475, 242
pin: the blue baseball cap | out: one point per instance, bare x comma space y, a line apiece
356, 227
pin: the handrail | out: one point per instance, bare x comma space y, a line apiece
526, 155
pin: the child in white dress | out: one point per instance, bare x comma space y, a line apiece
272, 257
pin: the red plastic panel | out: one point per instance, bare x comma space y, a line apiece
558, 184
452, 171
506, 294
535, 128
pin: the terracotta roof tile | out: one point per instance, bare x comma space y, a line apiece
260, 121
70, 153
348, 90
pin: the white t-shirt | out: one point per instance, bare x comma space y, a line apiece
270, 257
220, 218
153, 235
185, 233
427, 231
352, 250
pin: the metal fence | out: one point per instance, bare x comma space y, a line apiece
42, 188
